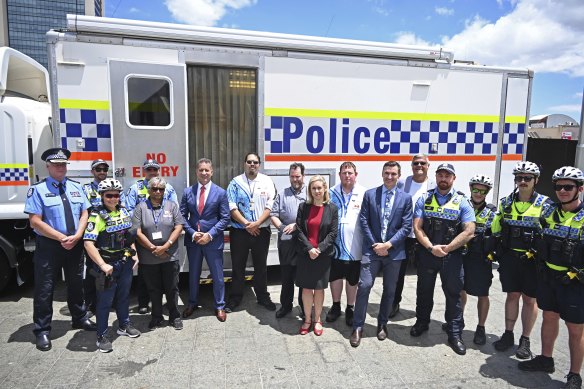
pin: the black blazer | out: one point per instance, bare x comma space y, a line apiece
327, 232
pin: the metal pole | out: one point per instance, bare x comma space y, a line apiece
580, 147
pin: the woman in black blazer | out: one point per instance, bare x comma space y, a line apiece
317, 224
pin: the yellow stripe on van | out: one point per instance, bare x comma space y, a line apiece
84, 104
326, 113
13, 165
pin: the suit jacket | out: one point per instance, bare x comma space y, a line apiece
214, 219
327, 232
400, 222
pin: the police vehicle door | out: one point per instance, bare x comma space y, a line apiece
149, 120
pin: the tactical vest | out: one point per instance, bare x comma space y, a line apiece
115, 239
441, 223
92, 195
518, 230
483, 241
561, 245
142, 192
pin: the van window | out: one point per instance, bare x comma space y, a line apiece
149, 102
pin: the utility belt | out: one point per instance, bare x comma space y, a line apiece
516, 237
110, 257
563, 274
527, 256
568, 251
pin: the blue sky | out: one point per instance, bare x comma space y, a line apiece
543, 35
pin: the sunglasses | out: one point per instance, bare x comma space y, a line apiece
480, 191
420, 163
523, 178
567, 187
101, 169
158, 189
112, 195
151, 169
249, 162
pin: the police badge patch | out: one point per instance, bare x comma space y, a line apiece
30, 192
90, 226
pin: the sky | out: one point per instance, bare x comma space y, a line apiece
542, 35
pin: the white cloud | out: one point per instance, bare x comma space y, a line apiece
409, 38
204, 12
542, 35
134, 10
578, 95
565, 108
381, 11
444, 11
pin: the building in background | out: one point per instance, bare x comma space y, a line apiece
555, 126
24, 23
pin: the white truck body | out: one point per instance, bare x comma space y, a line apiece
126, 90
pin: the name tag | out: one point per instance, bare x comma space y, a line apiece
157, 235
50, 195
75, 194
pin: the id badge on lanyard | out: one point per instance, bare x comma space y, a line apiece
156, 235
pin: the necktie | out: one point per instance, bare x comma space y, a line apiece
68, 213
201, 200
386, 214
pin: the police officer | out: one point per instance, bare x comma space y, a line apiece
444, 222
478, 274
99, 169
138, 193
516, 225
107, 242
560, 286
57, 212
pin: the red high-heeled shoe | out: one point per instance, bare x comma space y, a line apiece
304, 331
318, 332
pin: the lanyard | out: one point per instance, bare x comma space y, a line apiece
251, 190
155, 217
346, 203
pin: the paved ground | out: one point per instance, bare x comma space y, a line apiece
253, 349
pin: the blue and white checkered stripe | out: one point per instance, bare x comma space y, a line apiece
13, 174
90, 124
120, 227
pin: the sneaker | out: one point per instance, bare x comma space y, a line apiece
480, 337
176, 323
154, 323
523, 351
539, 363
334, 313
506, 341
574, 381
103, 344
128, 330
349, 313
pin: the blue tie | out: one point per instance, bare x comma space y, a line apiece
386, 214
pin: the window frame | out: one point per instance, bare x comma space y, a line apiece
126, 101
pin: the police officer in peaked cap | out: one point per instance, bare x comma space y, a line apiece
57, 210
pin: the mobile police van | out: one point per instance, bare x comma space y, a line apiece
125, 91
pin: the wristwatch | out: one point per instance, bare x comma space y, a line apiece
430, 248
170, 241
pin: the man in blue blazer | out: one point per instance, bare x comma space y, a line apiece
386, 221
205, 209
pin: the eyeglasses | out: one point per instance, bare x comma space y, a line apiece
112, 195
419, 163
250, 162
480, 191
101, 169
523, 178
157, 189
151, 169
567, 187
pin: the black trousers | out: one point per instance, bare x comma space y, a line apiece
49, 258
242, 243
142, 289
410, 258
288, 273
89, 293
159, 279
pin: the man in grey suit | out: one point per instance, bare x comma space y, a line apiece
386, 221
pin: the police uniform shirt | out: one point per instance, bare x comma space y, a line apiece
251, 197
44, 199
96, 224
467, 213
90, 190
349, 238
138, 193
520, 206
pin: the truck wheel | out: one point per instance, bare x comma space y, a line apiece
6, 271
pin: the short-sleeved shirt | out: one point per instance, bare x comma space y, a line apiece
286, 205
120, 221
150, 220
44, 199
137, 193
92, 194
251, 197
467, 213
350, 237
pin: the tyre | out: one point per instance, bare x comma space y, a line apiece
6, 272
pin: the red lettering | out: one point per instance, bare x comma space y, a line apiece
174, 170
161, 158
136, 171
165, 171
150, 156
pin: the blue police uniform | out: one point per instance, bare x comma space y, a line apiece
442, 217
45, 199
90, 190
138, 193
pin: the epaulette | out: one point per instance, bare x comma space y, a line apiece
77, 182
579, 216
549, 210
460, 193
491, 207
103, 213
40, 182
539, 200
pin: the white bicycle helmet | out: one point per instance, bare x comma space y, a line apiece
109, 184
568, 173
481, 180
526, 167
